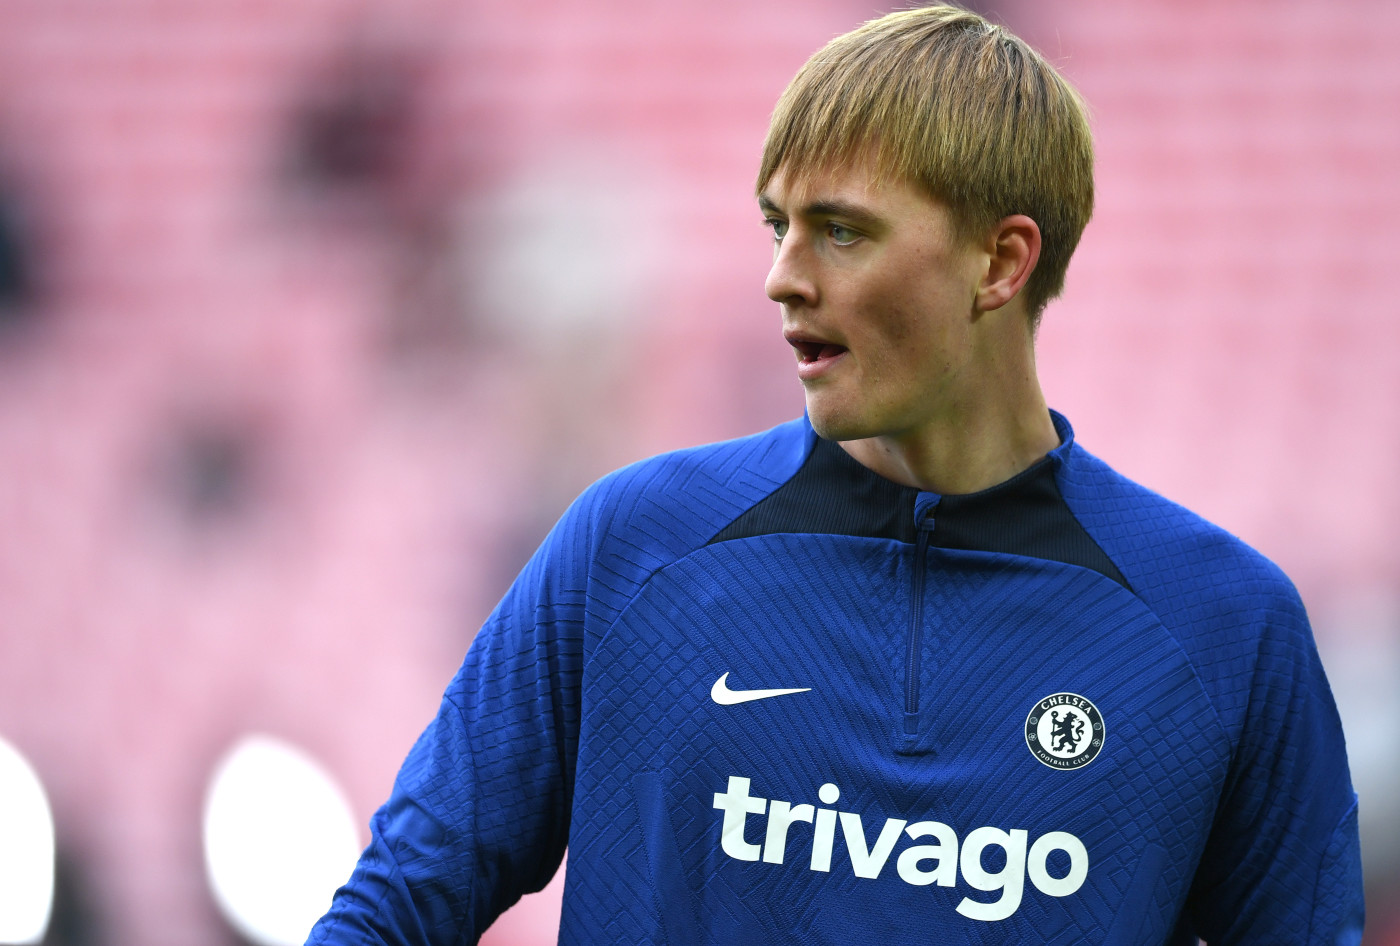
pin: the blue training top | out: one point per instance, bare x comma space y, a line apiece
765, 696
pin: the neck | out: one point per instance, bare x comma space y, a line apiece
989, 431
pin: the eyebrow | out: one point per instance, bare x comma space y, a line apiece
828, 208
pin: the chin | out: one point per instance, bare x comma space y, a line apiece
836, 424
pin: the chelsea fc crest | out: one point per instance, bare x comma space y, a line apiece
1064, 731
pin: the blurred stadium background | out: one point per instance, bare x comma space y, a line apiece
314, 315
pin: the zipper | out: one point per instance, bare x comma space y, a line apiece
914, 656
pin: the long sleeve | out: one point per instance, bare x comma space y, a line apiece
1283, 861
479, 813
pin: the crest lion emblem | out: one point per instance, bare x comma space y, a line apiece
1064, 731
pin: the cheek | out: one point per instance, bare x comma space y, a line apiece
908, 316
911, 331
891, 312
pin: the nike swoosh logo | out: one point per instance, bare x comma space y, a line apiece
724, 696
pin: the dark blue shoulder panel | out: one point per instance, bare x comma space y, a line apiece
651, 513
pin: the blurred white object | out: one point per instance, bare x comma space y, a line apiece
279, 838
567, 250
26, 851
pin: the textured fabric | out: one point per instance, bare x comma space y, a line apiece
957, 745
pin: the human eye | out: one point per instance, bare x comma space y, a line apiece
842, 236
779, 227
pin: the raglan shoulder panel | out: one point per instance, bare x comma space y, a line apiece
1280, 860
1212, 591
644, 516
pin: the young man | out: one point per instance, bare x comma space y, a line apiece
915, 666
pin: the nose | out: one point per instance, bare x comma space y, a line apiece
791, 281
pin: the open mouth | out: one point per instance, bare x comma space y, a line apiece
812, 352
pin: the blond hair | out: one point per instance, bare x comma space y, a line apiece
961, 106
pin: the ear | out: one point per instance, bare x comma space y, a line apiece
1013, 249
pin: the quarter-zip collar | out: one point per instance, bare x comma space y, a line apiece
833, 494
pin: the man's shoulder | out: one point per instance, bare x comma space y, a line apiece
679, 500
745, 465
1171, 556
1226, 604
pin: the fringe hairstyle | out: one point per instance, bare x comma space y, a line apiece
940, 96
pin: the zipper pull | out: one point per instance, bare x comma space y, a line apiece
925, 511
